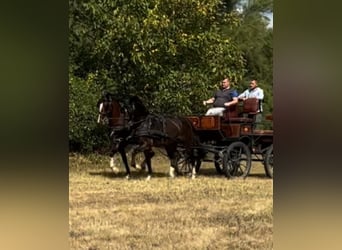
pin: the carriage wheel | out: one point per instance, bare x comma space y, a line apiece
239, 160
183, 166
268, 163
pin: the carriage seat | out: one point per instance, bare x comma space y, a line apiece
243, 112
269, 117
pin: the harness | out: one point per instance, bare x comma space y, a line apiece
156, 133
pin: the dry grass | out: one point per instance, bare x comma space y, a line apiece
107, 211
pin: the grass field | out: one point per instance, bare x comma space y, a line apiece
106, 211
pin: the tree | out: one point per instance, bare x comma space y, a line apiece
171, 53
255, 40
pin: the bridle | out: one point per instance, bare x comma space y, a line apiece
105, 114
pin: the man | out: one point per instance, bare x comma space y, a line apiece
254, 92
222, 98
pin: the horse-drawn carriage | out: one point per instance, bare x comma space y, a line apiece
231, 141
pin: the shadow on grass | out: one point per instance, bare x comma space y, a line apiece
212, 172
258, 175
122, 175
208, 172
136, 174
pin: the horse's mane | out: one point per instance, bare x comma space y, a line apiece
132, 103
138, 106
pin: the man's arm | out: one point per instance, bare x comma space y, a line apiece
243, 95
209, 101
234, 101
260, 94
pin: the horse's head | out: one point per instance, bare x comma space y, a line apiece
111, 112
104, 105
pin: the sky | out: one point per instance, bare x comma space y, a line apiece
270, 16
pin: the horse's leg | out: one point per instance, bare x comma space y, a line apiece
148, 156
171, 153
198, 155
141, 165
113, 151
173, 167
194, 165
135, 150
137, 165
124, 159
195, 162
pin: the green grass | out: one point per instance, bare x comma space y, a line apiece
106, 211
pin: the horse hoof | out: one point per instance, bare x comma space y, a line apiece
115, 170
148, 178
128, 177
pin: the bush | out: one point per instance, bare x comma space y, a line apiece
85, 135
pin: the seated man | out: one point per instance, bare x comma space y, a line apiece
222, 99
254, 92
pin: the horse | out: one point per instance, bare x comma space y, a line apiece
162, 131
113, 113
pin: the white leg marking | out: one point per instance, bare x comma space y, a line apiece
112, 166
193, 176
148, 177
172, 172
100, 109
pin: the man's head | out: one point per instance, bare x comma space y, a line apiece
225, 83
253, 84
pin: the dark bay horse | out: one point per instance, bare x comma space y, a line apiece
162, 131
132, 124
114, 113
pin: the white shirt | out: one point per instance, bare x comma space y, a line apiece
254, 93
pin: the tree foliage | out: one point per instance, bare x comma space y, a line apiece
171, 53
255, 40
84, 133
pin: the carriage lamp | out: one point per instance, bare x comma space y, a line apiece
246, 129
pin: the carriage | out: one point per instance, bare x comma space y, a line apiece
232, 141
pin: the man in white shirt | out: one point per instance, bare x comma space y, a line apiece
254, 92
